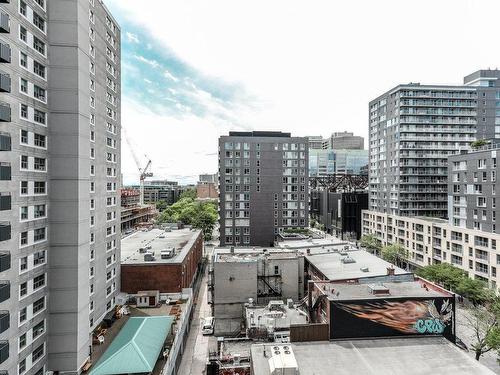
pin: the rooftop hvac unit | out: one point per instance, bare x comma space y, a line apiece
364, 269
347, 260
149, 257
282, 361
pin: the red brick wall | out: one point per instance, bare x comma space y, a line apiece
167, 278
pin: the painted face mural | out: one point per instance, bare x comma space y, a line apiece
408, 317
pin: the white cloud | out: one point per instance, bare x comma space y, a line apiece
169, 75
152, 63
313, 66
132, 37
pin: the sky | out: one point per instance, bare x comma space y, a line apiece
195, 70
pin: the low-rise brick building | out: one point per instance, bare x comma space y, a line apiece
161, 260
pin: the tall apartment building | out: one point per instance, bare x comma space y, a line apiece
59, 168
344, 141
263, 186
413, 130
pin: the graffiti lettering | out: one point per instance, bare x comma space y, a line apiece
429, 326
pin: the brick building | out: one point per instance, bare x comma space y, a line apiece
161, 260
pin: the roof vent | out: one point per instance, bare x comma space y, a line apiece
348, 259
364, 269
378, 289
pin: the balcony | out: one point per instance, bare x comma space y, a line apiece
5, 53
4, 112
5, 142
4, 321
4, 290
5, 231
4, 23
5, 171
4, 82
4, 351
4, 261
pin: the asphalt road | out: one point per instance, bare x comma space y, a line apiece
195, 354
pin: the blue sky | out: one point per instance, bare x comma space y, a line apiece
193, 70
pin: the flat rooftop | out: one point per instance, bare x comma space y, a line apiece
409, 356
181, 240
249, 254
417, 288
262, 316
312, 243
362, 265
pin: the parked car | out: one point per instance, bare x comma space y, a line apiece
208, 326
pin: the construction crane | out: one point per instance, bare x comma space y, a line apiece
143, 171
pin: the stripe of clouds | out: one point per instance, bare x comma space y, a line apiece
156, 78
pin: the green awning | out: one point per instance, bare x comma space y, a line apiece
136, 348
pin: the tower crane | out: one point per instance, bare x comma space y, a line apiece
143, 171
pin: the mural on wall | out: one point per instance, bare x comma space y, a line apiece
392, 318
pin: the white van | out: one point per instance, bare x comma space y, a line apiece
207, 327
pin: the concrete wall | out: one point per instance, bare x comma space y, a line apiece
235, 282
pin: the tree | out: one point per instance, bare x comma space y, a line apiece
484, 322
474, 290
479, 143
161, 205
370, 242
395, 254
189, 193
444, 274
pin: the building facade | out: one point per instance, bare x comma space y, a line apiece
339, 161
472, 190
344, 141
432, 241
60, 142
413, 129
263, 186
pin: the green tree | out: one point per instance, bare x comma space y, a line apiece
444, 274
371, 242
474, 290
189, 193
161, 205
479, 143
484, 322
395, 253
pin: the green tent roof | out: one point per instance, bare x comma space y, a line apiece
136, 348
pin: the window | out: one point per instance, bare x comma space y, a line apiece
38, 281
23, 289
22, 8
23, 60
39, 258
39, 117
24, 161
39, 187
24, 187
22, 344
40, 140
24, 212
38, 45
24, 136
38, 329
39, 305
38, 353
38, 21
39, 234
24, 111
40, 164
23, 34
23, 263
39, 93
22, 315
24, 238
39, 210
22, 364
39, 69
23, 86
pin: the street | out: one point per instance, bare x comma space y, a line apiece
195, 354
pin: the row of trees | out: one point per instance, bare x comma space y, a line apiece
187, 210
482, 318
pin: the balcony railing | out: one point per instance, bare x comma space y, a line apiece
4, 261
4, 23
5, 53
4, 321
4, 290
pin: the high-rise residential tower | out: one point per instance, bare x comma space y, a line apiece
59, 167
263, 186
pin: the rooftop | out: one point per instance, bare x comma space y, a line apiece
311, 243
177, 241
259, 134
275, 315
409, 356
418, 288
251, 254
354, 264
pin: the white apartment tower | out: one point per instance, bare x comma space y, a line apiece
59, 168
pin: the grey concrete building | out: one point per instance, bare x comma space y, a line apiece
60, 142
472, 190
263, 186
344, 141
413, 129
